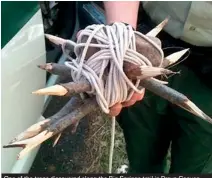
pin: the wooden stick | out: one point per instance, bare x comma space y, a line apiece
65, 89
172, 58
57, 90
56, 69
148, 72
35, 129
31, 131
174, 97
68, 44
56, 126
154, 32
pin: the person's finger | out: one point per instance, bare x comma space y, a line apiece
135, 97
129, 103
115, 109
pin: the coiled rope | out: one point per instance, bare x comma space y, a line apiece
104, 69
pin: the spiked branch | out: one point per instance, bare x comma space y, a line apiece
31, 131
35, 129
54, 127
174, 97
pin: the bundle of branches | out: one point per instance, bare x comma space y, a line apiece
79, 107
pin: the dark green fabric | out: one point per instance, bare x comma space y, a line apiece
150, 126
14, 15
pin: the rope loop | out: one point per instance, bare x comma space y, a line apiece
113, 45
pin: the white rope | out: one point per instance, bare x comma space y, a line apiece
115, 44
104, 69
113, 126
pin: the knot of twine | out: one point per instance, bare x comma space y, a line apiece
104, 69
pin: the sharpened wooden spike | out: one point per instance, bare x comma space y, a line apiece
154, 71
54, 39
192, 108
74, 117
31, 131
149, 71
56, 139
154, 32
172, 58
39, 137
60, 41
56, 90
31, 143
174, 97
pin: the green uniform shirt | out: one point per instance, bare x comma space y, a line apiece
189, 21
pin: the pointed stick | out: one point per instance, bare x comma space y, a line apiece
154, 32
30, 143
56, 126
148, 72
190, 106
57, 90
56, 69
174, 97
54, 39
35, 129
65, 89
172, 58
68, 44
31, 131
44, 135
34, 142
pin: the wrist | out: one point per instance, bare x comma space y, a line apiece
122, 12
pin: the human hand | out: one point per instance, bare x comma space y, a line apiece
116, 109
